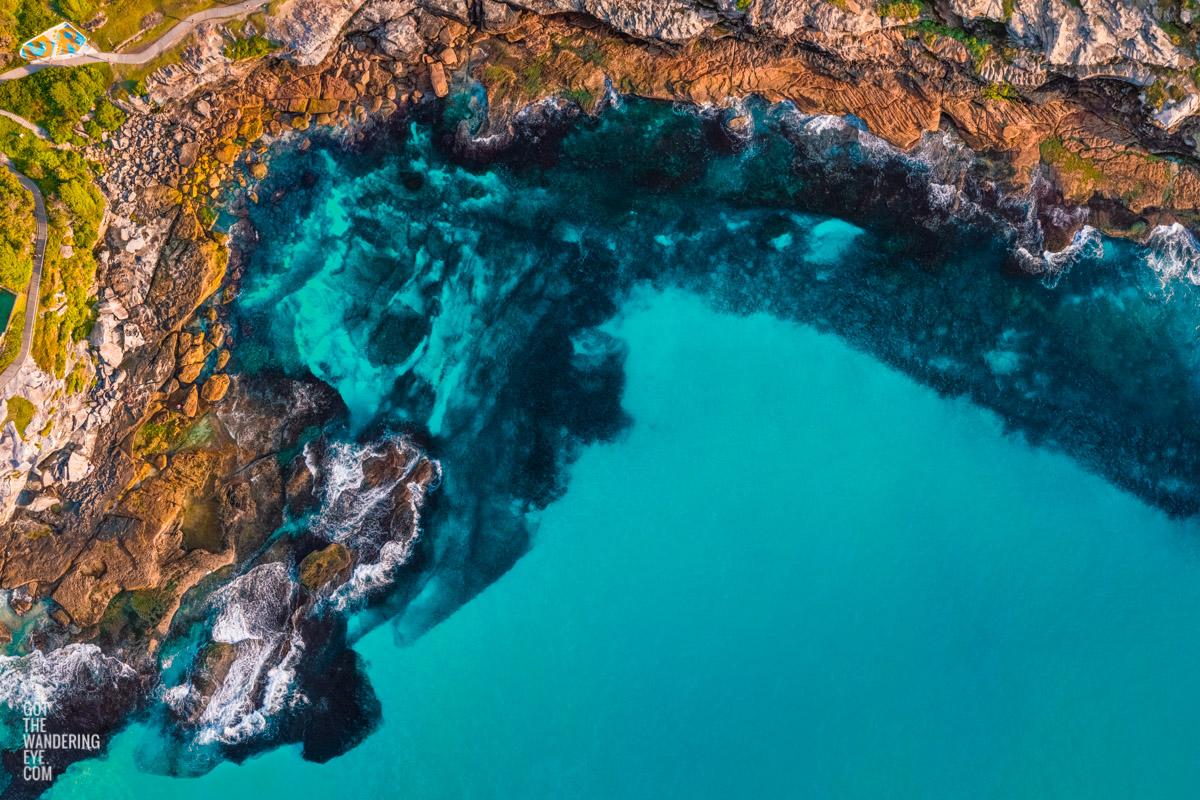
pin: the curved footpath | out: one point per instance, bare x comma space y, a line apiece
153, 50
35, 283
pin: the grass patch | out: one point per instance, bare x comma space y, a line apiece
125, 20
160, 436
900, 9
251, 47
132, 77
1155, 94
20, 412
79, 379
581, 96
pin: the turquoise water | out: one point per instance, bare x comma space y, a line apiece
7, 301
798, 573
759, 476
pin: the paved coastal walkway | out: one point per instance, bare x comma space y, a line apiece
151, 51
35, 283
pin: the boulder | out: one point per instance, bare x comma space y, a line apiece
437, 77
215, 388
190, 372
321, 567
191, 402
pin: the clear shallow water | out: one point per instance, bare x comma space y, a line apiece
798, 573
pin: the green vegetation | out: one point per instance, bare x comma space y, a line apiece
79, 379
582, 96
899, 9
978, 49
252, 47
742, 5
162, 433
531, 76
31, 17
999, 91
132, 77
125, 18
1055, 153
108, 115
139, 610
320, 567
1155, 94
16, 235
20, 412
79, 11
494, 73
56, 99
74, 207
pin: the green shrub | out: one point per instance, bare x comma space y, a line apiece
108, 115
978, 49
1156, 94
999, 91
78, 10
79, 378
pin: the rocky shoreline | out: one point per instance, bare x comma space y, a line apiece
172, 475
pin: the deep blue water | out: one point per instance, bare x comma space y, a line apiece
752, 486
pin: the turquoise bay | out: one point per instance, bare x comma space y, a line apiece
797, 574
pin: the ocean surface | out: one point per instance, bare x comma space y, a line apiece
799, 574
753, 487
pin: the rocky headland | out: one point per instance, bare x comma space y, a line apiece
162, 483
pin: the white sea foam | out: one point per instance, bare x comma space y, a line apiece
1174, 255
252, 613
45, 678
1086, 243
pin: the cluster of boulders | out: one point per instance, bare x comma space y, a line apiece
197, 353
